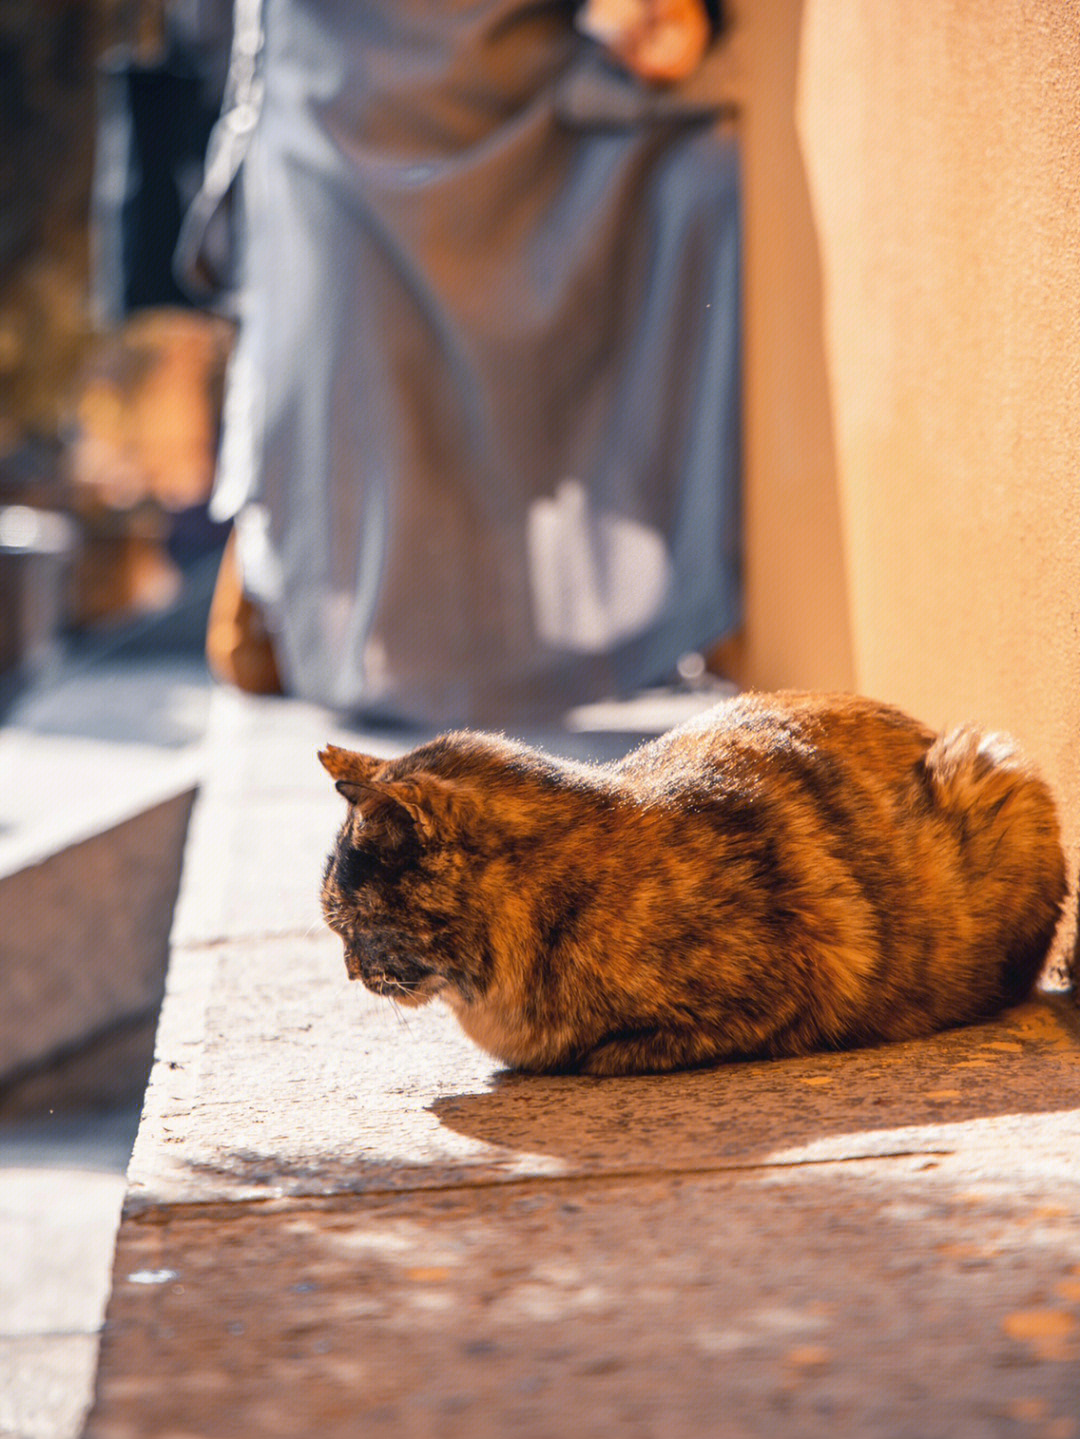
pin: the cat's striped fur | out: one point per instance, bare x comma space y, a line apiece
786, 872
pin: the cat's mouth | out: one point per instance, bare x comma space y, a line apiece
412, 993
381, 967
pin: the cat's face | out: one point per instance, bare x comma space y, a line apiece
394, 882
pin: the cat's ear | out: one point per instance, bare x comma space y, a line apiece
352, 773
434, 806
439, 808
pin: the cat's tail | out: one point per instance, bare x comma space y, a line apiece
1006, 826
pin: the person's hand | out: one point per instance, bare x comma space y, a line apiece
661, 41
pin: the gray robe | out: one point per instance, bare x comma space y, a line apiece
482, 422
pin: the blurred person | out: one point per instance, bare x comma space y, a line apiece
481, 438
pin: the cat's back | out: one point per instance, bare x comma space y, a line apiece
932, 862
753, 740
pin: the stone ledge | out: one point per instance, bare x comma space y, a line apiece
913, 1297
97, 772
85, 937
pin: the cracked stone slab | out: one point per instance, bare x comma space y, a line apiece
277, 1076
901, 1298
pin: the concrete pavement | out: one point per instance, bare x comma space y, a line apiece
61, 1188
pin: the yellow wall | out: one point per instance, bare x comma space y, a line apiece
913, 360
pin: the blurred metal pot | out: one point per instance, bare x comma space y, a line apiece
36, 547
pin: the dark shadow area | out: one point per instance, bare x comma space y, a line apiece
88, 1137
744, 1113
103, 1072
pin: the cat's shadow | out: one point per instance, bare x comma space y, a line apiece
901, 1099
873, 1101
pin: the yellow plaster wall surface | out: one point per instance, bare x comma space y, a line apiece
913, 361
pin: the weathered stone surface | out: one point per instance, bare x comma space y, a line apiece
264, 821
889, 1297
97, 769
97, 773
254, 869
102, 741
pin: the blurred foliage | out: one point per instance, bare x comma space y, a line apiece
146, 410
117, 428
48, 54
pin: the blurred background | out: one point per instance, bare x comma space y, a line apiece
110, 401
911, 522
110, 383
911, 512
110, 395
